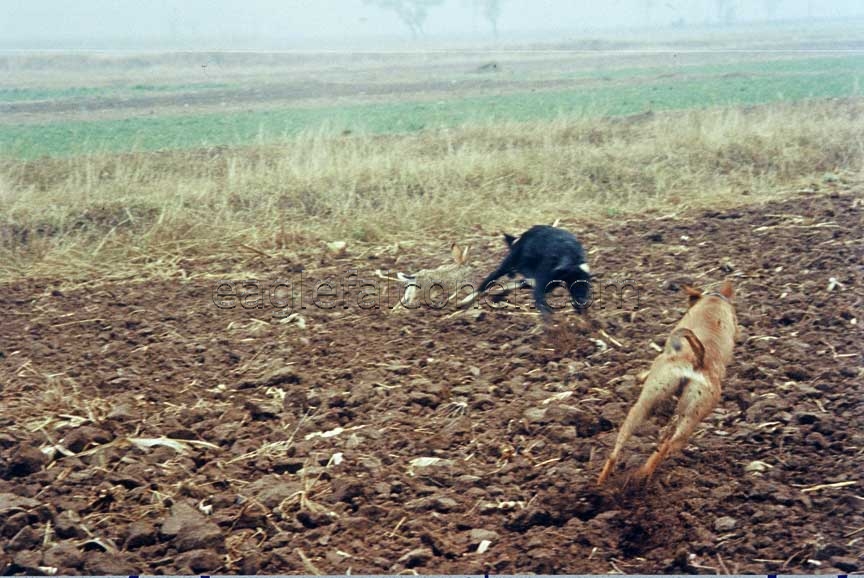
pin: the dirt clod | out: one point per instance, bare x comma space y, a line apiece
28, 562
190, 530
64, 555
103, 563
25, 460
846, 563
197, 561
68, 525
725, 524
141, 533
416, 557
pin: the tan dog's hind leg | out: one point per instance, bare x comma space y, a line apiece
697, 401
654, 390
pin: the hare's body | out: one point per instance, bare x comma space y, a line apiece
438, 286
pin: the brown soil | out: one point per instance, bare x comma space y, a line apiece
758, 490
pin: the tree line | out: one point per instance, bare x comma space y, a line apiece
414, 13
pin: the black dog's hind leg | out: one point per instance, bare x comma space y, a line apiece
541, 286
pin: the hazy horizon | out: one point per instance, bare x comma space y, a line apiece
103, 24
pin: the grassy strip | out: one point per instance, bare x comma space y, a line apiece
102, 215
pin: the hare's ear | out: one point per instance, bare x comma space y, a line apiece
693, 294
726, 290
464, 256
456, 252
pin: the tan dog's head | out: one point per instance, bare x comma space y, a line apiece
694, 295
713, 309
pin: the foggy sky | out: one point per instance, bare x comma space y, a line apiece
257, 23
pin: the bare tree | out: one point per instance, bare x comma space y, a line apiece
412, 13
490, 10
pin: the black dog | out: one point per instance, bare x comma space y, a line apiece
550, 257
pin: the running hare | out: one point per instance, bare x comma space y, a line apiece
438, 286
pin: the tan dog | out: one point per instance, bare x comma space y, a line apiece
693, 363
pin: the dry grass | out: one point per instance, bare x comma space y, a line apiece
142, 213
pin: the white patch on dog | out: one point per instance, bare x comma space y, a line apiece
584, 267
693, 375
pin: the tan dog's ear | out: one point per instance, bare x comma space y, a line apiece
726, 290
692, 293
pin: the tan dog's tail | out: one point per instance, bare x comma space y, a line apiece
673, 345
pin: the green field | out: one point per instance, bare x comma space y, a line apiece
76, 92
614, 92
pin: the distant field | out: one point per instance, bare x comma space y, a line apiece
620, 91
74, 92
